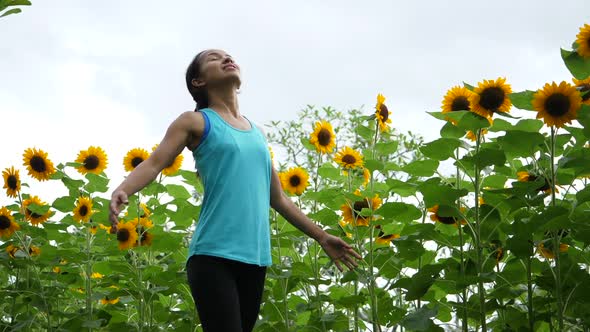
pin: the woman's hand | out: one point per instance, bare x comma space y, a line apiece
118, 198
339, 251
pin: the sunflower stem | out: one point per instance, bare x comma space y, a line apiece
315, 254
530, 293
556, 236
283, 280
356, 282
464, 322
375, 317
478, 247
88, 278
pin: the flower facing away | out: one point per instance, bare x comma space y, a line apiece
491, 96
11, 181
557, 104
583, 41
435, 216
134, 157
34, 217
548, 252
174, 166
106, 301
382, 113
38, 165
83, 210
525, 176
351, 211
584, 87
349, 158
294, 180
7, 224
93, 160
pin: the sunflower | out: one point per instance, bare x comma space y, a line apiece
366, 176
471, 135
557, 104
351, 212
385, 239
524, 176
146, 238
126, 235
83, 210
548, 252
33, 217
34, 251
456, 99
583, 41
382, 113
174, 166
584, 87
497, 251
491, 96
445, 220
106, 300
38, 165
349, 158
134, 157
96, 275
323, 137
11, 181
7, 224
93, 160
294, 180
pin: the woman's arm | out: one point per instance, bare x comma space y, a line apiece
336, 248
176, 138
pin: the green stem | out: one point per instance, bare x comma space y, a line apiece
556, 237
280, 265
88, 278
464, 322
374, 311
530, 294
356, 282
316, 249
477, 238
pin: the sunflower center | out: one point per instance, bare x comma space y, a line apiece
460, 103
38, 164
324, 137
294, 180
557, 104
349, 159
91, 162
492, 98
447, 220
33, 214
123, 235
136, 161
83, 210
12, 182
4, 222
383, 112
358, 207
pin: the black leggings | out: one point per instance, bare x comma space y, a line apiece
227, 293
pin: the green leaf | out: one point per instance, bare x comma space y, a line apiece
436, 193
64, 204
402, 188
495, 181
520, 143
11, 11
325, 217
577, 65
97, 183
398, 211
386, 148
485, 157
419, 320
449, 130
584, 119
373, 165
441, 149
178, 191
523, 100
465, 119
421, 167
328, 171
583, 196
305, 142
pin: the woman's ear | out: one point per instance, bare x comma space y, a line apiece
197, 83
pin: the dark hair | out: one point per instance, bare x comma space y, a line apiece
199, 94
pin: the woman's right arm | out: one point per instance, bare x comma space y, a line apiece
187, 126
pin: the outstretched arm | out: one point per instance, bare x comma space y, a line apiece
336, 248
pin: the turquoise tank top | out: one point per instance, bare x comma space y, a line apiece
235, 170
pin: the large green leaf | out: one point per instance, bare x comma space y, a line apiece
436, 193
577, 65
519, 143
398, 211
178, 191
441, 149
421, 167
523, 100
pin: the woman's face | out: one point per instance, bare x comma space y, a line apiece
217, 68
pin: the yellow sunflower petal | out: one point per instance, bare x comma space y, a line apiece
583, 41
33, 217
83, 210
323, 137
93, 160
134, 157
294, 180
7, 224
382, 113
491, 96
126, 235
349, 158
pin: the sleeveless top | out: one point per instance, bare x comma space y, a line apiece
235, 170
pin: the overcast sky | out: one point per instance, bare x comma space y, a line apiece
77, 73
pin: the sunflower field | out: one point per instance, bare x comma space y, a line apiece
486, 228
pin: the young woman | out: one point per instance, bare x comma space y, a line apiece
230, 248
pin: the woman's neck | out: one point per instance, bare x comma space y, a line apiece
225, 101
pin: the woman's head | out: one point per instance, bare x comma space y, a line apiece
211, 69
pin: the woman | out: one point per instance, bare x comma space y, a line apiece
230, 249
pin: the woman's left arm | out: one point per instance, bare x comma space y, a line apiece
336, 248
